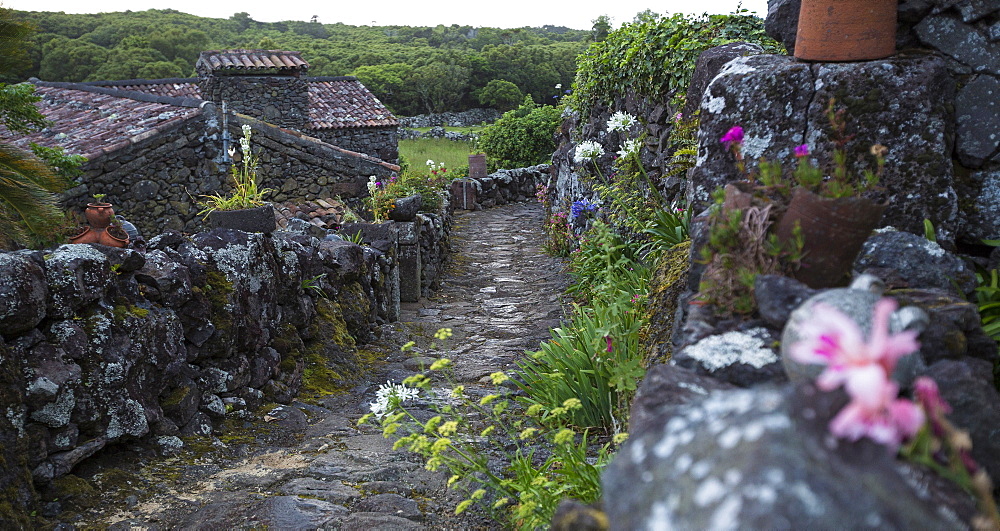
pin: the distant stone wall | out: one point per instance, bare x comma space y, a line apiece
156, 182
499, 188
379, 142
280, 100
454, 119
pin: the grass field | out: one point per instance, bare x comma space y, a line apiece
418, 151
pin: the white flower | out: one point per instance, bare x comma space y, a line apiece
246, 130
389, 396
558, 85
430, 162
629, 147
621, 121
587, 150
372, 185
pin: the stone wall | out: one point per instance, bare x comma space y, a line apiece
108, 345
156, 182
379, 142
499, 188
280, 100
454, 119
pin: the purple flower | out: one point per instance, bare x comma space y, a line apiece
802, 151
608, 339
733, 136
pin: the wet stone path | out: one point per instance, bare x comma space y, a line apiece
500, 296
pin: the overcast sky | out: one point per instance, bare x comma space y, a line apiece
502, 14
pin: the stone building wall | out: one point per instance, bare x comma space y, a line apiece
380, 142
280, 100
157, 181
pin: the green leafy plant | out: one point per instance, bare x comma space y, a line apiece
521, 137
314, 284
988, 300
247, 192
28, 205
541, 462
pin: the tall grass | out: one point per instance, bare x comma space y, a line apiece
454, 154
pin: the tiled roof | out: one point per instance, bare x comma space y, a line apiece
339, 102
334, 102
250, 61
181, 87
91, 121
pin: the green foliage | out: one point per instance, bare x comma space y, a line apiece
429, 183
521, 137
595, 357
544, 461
988, 300
669, 227
655, 56
452, 153
410, 69
246, 191
501, 95
67, 166
28, 209
17, 108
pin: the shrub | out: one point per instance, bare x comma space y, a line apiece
521, 137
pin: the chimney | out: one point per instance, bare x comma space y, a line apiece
265, 84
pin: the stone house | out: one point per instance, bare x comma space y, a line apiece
155, 146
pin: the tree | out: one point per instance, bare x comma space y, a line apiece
501, 95
440, 86
601, 28
27, 186
70, 59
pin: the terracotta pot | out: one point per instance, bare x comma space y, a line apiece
846, 30
99, 214
833, 231
477, 166
86, 235
260, 219
113, 236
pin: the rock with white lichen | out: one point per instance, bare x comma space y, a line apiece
781, 103
742, 358
763, 459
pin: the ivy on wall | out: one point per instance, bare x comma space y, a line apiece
656, 55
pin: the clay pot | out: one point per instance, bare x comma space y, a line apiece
99, 214
846, 30
85, 235
833, 229
113, 236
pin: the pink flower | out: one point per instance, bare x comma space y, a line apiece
733, 136
876, 412
802, 151
831, 338
608, 339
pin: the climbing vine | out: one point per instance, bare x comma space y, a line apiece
656, 55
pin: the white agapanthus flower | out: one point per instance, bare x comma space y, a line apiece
629, 147
389, 395
621, 121
587, 150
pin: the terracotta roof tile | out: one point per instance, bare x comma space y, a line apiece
341, 102
334, 102
251, 61
90, 123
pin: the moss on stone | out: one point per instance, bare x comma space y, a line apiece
668, 282
74, 492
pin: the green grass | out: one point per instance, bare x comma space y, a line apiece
463, 129
418, 151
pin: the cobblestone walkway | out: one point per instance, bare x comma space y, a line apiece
500, 296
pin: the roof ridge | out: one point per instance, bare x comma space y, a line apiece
159, 81
331, 78
129, 94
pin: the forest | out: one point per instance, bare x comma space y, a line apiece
413, 70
